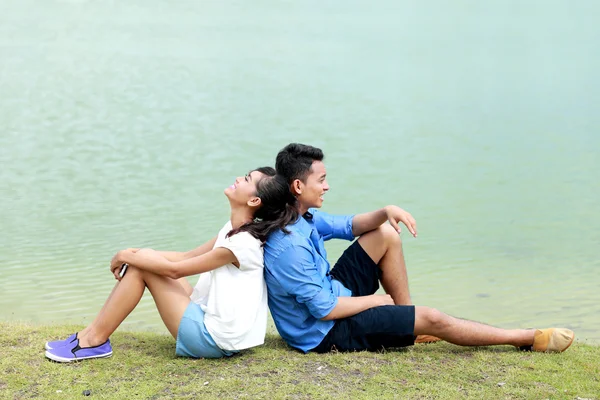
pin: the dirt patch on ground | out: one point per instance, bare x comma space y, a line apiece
545, 386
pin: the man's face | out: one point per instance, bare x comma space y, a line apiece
310, 193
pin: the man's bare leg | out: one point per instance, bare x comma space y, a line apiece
429, 321
384, 247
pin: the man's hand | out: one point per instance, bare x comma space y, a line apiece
382, 300
395, 214
348, 306
363, 223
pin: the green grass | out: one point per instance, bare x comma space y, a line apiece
144, 366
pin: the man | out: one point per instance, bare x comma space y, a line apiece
316, 309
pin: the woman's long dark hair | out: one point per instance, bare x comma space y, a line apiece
278, 206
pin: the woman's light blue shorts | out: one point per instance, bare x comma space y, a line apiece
193, 340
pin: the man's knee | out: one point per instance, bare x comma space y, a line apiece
379, 241
389, 234
431, 317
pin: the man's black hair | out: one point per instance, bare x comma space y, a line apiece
295, 160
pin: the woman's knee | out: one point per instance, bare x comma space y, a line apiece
134, 272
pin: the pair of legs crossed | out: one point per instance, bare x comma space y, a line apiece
170, 296
384, 247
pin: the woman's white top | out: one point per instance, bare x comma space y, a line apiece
234, 299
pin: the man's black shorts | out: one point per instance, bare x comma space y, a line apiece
373, 329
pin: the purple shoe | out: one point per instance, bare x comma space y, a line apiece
55, 344
72, 352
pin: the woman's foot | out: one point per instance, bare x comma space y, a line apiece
73, 352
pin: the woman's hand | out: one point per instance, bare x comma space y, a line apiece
119, 259
144, 259
395, 214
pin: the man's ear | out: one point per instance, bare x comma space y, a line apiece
297, 187
254, 202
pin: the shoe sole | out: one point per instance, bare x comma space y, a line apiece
68, 360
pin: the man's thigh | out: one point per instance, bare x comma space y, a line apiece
374, 329
357, 271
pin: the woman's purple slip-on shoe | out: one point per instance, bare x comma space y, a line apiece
72, 352
55, 344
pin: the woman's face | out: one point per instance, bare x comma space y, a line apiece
243, 190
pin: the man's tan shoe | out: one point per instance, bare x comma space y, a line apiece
552, 340
426, 339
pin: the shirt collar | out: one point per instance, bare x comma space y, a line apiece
303, 225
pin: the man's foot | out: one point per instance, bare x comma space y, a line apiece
55, 344
551, 340
72, 352
427, 339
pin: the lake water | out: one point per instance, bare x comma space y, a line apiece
122, 122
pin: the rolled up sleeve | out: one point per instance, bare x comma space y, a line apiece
301, 278
333, 226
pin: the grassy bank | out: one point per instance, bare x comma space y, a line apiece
144, 366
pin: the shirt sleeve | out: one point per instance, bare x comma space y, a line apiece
333, 226
300, 278
246, 248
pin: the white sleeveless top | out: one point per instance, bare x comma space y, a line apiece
234, 299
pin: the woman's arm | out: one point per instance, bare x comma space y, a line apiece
153, 261
184, 255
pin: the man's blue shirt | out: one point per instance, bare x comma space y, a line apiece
301, 291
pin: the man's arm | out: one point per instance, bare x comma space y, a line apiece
333, 226
363, 223
349, 306
300, 277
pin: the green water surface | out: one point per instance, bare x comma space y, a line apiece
122, 122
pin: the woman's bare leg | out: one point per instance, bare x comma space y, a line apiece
99, 315
183, 281
186, 286
169, 295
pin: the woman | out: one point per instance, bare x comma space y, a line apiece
227, 311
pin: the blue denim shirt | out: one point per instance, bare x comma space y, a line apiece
300, 289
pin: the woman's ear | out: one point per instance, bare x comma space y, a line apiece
254, 202
297, 187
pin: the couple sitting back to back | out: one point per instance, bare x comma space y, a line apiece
314, 307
